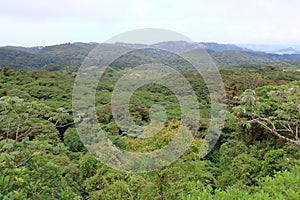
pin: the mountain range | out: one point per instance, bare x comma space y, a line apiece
72, 54
289, 50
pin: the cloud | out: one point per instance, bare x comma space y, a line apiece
64, 9
228, 21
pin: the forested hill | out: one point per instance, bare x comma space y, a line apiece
72, 54
36, 58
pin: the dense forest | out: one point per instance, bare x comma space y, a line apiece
42, 157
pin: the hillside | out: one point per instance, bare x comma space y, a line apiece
72, 54
36, 58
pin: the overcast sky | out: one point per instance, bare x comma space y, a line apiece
43, 22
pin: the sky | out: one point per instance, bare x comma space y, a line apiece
45, 22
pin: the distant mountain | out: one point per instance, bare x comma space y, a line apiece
273, 48
176, 46
73, 54
222, 47
182, 46
289, 50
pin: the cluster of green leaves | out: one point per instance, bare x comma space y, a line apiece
283, 185
32, 159
37, 169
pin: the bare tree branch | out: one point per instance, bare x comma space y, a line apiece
266, 123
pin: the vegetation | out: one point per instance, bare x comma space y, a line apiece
256, 157
73, 55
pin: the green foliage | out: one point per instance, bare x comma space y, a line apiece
72, 140
276, 111
248, 162
87, 165
274, 160
20, 119
63, 54
283, 186
35, 170
18, 93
